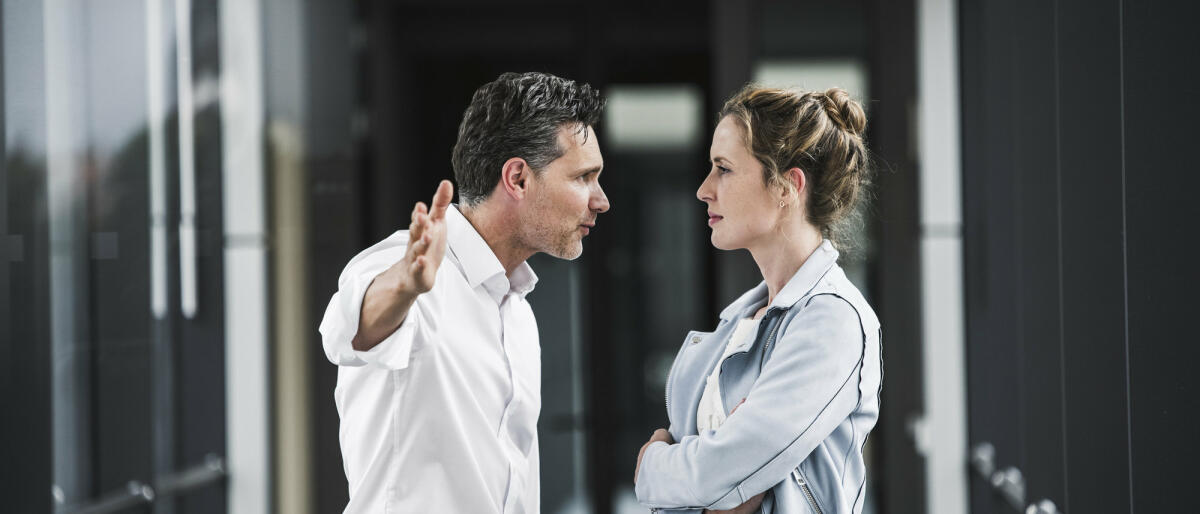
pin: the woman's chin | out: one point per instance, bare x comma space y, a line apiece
721, 244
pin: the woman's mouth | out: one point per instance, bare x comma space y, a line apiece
713, 219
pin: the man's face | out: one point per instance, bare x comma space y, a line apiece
565, 198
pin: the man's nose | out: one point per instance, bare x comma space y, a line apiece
600, 201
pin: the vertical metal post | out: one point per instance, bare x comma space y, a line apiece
187, 159
942, 433
68, 293
162, 352
247, 368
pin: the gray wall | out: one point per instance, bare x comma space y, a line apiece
1078, 196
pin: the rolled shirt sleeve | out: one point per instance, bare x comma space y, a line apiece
807, 387
340, 323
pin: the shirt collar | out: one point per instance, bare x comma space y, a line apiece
803, 281
478, 263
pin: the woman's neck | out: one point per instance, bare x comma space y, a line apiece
780, 256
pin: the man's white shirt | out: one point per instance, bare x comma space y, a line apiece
442, 415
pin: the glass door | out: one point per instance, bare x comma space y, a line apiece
114, 242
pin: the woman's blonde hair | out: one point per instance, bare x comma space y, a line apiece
819, 132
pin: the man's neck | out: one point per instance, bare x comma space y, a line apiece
498, 228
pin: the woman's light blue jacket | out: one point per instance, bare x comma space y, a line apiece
810, 380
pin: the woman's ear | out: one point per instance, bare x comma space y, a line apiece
514, 177
798, 180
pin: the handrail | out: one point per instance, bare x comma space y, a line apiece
135, 493
138, 493
212, 471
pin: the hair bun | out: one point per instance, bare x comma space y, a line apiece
844, 111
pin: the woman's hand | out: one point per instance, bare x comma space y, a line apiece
750, 506
659, 435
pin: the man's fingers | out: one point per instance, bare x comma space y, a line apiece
419, 213
416, 248
420, 222
421, 245
441, 200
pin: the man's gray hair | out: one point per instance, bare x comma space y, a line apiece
517, 115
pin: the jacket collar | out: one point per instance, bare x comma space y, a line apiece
801, 283
478, 263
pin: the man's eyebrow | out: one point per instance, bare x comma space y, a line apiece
594, 169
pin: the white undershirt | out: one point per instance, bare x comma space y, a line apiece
711, 412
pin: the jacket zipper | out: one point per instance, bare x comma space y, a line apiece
767, 345
668, 395
812, 500
693, 340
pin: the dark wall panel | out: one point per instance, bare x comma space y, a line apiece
991, 196
1076, 190
1036, 256
1097, 435
972, 41
896, 294
1160, 211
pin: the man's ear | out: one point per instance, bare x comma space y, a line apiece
514, 178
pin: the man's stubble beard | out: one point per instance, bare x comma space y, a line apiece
570, 248
562, 245
541, 236
545, 235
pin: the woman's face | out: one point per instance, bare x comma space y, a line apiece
742, 211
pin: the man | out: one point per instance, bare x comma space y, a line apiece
439, 378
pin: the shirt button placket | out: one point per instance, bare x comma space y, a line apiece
510, 495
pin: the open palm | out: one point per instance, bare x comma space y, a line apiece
426, 241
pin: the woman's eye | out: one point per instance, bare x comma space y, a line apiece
723, 170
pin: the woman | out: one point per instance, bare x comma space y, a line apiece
772, 408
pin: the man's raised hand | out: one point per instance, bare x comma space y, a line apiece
426, 241
391, 294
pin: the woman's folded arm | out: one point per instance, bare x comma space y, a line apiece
807, 387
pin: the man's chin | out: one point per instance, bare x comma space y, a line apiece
568, 252
573, 254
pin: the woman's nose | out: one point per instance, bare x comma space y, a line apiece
704, 192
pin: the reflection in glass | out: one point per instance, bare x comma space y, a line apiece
87, 111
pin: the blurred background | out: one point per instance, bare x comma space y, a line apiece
184, 180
